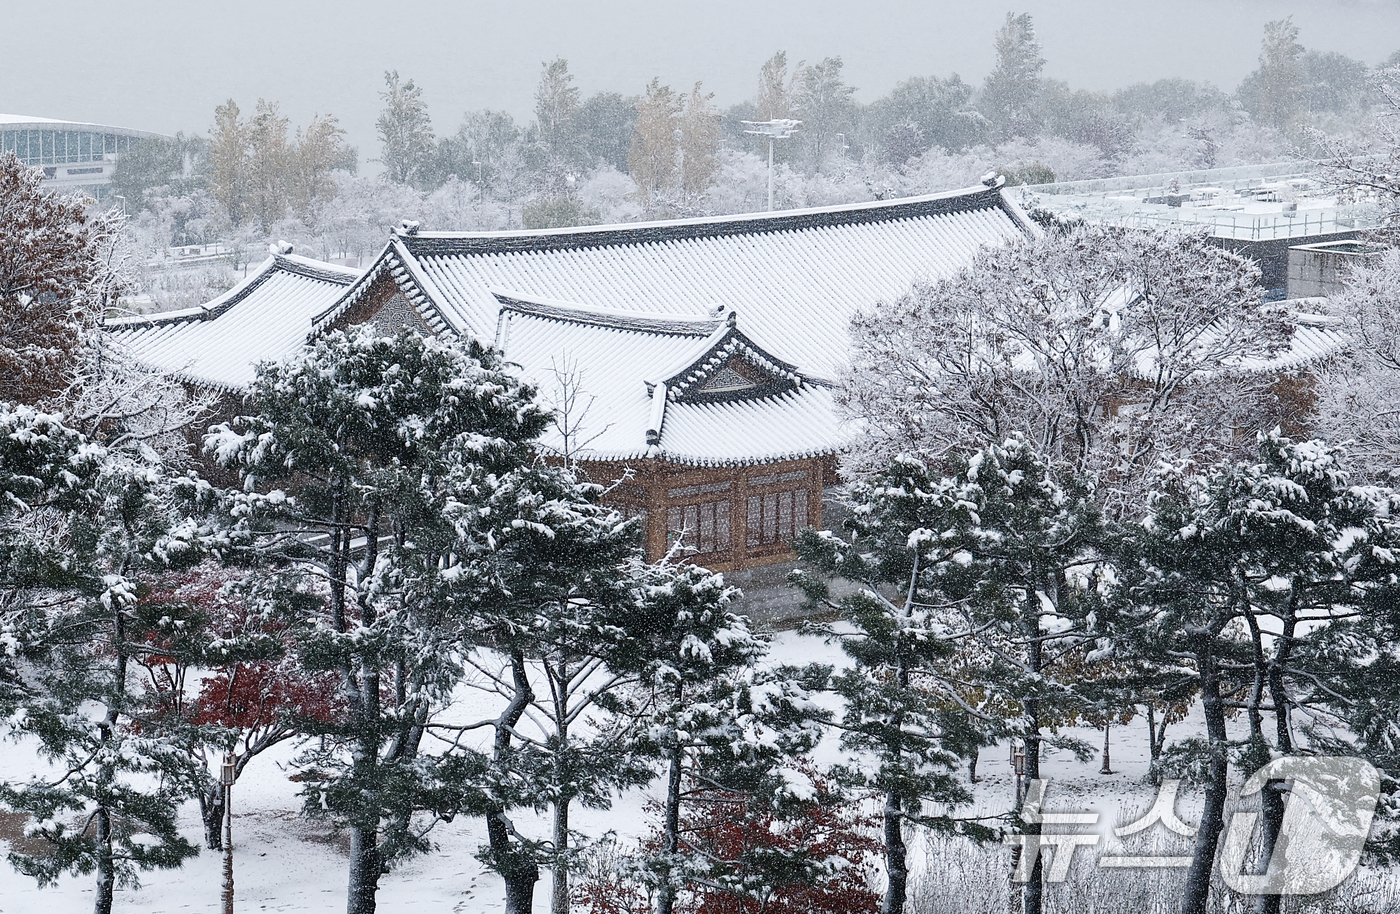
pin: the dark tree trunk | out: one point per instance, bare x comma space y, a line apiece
106, 773
559, 900
106, 866
896, 857
1272, 798
516, 867
211, 813
1196, 893
671, 823
515, 864
366, 866
1107, 767
559, 903
1033, 893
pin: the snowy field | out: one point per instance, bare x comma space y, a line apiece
283, 862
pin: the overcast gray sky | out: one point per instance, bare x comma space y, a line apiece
163, 65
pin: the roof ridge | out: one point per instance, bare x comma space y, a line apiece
428, 244
317, 269
611, 318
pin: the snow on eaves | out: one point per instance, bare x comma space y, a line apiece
795, 277
266, 317
598, 371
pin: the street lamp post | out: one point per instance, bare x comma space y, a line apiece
228, 773
777, 129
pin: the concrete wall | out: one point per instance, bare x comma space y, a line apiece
1317, 270
1272, 255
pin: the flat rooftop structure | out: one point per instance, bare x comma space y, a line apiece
74, 155
1267, 202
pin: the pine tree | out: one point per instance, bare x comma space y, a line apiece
1022, 568
717, 723
996, 563
82, 534
537, 614
902, 709
1264, 576
380, 438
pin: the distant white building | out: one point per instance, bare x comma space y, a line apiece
75, 156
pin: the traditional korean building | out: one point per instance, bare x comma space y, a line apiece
690, 363
265, 318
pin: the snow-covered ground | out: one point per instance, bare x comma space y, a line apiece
283, 862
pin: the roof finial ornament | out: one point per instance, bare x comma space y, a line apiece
281, 247
731, 317
408, 227
992, 179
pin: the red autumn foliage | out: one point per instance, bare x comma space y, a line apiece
829, 828
248, 695
729, 827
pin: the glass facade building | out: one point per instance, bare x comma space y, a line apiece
63, 147
74, 156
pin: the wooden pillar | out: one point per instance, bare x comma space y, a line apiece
654, 481
816, 488
739, 519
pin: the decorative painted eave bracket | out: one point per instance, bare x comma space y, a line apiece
725, 366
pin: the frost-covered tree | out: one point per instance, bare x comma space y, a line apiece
718, 724
1261, 577
1276, 92
51, 274
1009, 95
823, 102
377, 438
1370, 167
229, 179
653, 157
405, 132
557, 110
996, 566
1356, 393
83, 532
1107, 349
537, 611
699, 144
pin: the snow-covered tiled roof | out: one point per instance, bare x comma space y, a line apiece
796, 277
605, 374
265, 318
1315, 337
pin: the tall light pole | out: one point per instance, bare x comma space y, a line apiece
227, 776
480, 193
777, 129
